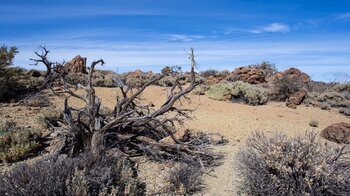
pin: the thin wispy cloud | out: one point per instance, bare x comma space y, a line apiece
273, 28
185, 38
344, 16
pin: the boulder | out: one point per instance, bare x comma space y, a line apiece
293, 73
181, 135
211, 80
248, 74
297, 98
339, 132
76, 65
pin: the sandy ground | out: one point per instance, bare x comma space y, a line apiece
234, 121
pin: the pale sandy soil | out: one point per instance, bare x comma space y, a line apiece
234, 121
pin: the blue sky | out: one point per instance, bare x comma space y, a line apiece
313, 35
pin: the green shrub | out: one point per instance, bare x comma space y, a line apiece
200, 90
279, 165
241, 91
220, 91
16, 145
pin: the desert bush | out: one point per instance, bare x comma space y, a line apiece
200, 89
184, 179
86, 174
209, 72
15, 81
48, 117
345, 111
320, 87
169, 81
343, 89
37, 101
279, 165
268, 68
16, 145
313, 123
325, 106
334, 99
283, 87
239, 91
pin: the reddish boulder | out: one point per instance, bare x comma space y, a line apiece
297, 98
293, 73
76, 65
250, 75
339, 132
211, 80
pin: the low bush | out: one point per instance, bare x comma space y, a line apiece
200, 90
209, 72
239, 91
15, 81
184, 179
84, 175
334, 99
268, 68
279, 165
313, 123
283, 87
345, 111
16, 145
37, 101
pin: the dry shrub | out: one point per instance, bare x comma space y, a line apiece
279, 165
283, 87
200, 89
37, 101
86, 174
209, 72
48, 117
239, 91
184, 179
313, 123
345, 111
268, 68
320, 87
16, 145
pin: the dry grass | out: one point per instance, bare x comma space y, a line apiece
279, 165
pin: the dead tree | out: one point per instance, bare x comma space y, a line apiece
133, 128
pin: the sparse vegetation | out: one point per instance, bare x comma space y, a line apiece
239, 91
17, 144
313, 123
86, 174
184, 179
283, 87
279, 165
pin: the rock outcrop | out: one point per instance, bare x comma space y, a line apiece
297, 98
339, 132
292, 73
76, 65
250, 75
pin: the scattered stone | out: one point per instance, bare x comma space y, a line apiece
291, 105
150, 104
339, 133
